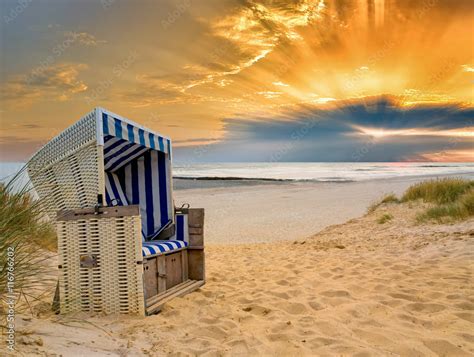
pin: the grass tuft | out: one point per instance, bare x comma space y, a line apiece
441, 191
451, 199
385, 218
462, 208
23, 230
390, 198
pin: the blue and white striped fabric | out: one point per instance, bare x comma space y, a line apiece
146, 182
119, 152
181, 231
137, 166
134, 134
161, 246
114, 194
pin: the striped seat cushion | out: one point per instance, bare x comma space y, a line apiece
161, 246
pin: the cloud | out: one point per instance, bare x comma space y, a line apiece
467, 68
249, 34
366, 129
451, 155
84, 38
57, 82
155, 89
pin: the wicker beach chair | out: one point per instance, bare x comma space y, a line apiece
123, 246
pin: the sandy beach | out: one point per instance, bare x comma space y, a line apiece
265, 212
358, 288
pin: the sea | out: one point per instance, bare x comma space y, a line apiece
298, 171
317, 171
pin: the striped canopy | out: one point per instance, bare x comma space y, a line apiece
137, 166
133, 133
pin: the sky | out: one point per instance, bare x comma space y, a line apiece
244, 80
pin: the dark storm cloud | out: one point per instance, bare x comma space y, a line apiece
333, 134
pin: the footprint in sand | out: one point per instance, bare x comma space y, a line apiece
315, 305
465, 306
445, 348
466, 316
404, 297
209, 321
280, 295
467, 337
238, 347
294, 308
372, 337
326, 275
213, 332
244, 300
336, 293
321, 342
414, 320
392, 303
257, 310
422, 307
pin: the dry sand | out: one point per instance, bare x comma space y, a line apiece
359, 288
275, 212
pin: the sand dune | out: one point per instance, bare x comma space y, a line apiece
360, 288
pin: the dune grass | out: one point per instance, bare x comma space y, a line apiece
390, 198
384, 218
442, 191
460, 209
23, 231
451, 199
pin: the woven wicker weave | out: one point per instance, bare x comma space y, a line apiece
67, 172
115, 285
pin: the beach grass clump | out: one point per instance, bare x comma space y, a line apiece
384, 218
461, 209
452, 199
23, 232
440, 191
390, 198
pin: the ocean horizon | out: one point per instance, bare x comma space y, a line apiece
298, 171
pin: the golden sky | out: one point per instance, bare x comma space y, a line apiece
212, 74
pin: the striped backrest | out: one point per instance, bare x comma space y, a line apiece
137, 166
114, 193
145, 182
